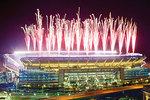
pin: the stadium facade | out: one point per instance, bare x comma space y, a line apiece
74, 71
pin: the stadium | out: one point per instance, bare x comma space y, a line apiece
68, 71
85, 62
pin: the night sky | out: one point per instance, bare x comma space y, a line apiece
14, 14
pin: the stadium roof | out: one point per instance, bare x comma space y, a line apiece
53, 60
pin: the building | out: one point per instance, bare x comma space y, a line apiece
146, 92
76, 71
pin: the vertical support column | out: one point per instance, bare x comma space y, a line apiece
6, 72
147, 98
122, 74
61, 76
143, 96
16, 80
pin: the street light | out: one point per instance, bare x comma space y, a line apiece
58, 94
69, 94
43, 88
34, 94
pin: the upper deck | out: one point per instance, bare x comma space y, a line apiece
63, 60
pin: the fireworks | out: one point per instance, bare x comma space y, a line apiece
92, 34
27, 36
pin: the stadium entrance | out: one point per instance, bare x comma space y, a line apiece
90, 78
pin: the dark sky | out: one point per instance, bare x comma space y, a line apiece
14, 14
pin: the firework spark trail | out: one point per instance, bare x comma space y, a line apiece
128, 36
72, 33
51, 31
49, 38
113, 32
59, 32
47, 43
96, 36
33, 35
26, 30
104, 27
86, 35
67, 35
91, 32
53, 41
134, 34
78, 32
90, 41
40, 30
121, 36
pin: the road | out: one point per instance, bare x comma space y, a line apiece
98, 92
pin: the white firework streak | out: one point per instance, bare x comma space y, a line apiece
134, 34
59, 27
104, 27
113, 33
78, 33
39, 30
67, 36
72, 33
121, 31
33, 35
128, 36
96, 35
50, 37
86, 35
26, 30
91, 32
